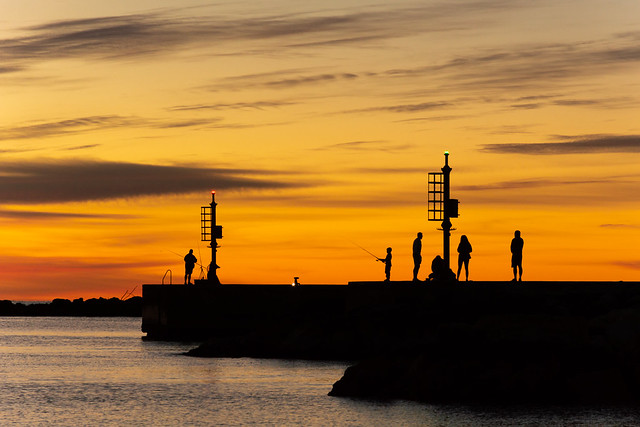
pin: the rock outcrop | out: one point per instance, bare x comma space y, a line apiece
491, 342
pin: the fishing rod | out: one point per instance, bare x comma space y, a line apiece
182, 256
201, 266
377, 259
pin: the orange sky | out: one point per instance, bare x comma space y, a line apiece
316, 123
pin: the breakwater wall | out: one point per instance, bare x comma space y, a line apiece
479, 342
198, 312
178, 312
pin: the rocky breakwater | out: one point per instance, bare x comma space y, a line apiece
531, 343
460, 343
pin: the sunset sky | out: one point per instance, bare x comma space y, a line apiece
316, 122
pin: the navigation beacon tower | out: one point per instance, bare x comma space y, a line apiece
210, 231
441, 207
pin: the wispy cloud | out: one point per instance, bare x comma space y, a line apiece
44, 215
530, 183
80, 125
81, 180
305, 80
404, 108
353, 145
80, 147
621, 226
621, 102
359, 146
115, 37
155, 33
635, 265
531, 67
554, 191
173, 124
284, 79
66, 127
431, 119
257, 105
577, 145
391, 170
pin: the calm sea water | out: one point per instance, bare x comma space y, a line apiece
97, 371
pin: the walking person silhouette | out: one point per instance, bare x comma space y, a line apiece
464, 255
517, 243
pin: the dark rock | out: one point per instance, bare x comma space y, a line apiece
510, 359
495, 343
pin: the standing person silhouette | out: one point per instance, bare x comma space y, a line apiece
417, 256
189, 262
464, 255
516, 255
387, 265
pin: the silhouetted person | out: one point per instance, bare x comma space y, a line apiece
464, 255
440, 272
438, 268
189, 262
387, 265
417, 256
516, 255
212, 275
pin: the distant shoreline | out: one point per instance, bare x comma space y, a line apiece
93, 307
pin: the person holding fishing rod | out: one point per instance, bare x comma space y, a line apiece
190, 261
387, 265
386, 260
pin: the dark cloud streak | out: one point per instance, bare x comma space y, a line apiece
529, 67
76, 181
257, 105
404, 108
360, 146
127, 36
579, 145
529, 183
41, 215
66, 127
80, 125
147, 34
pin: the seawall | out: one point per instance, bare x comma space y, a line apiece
178, 312
474, 342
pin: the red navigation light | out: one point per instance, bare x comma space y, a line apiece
213, 191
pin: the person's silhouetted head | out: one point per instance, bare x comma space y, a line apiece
517, 233
388, 250
190, 251
420, 235
464, 239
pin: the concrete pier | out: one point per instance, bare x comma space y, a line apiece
198, 312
